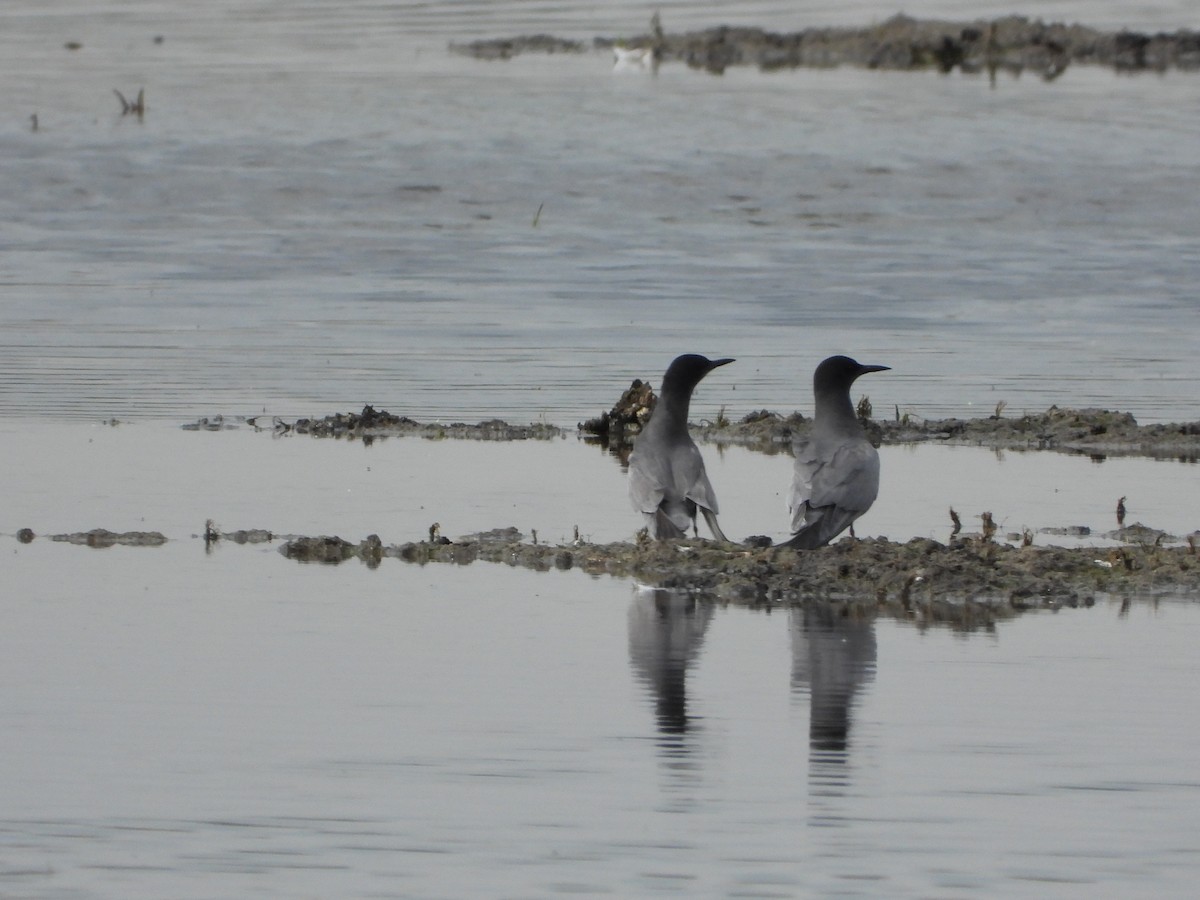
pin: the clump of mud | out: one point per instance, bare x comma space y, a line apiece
1011, 44
210, 423
214, 535
627, 417
507, 48
372, 423
333, 549
100, 538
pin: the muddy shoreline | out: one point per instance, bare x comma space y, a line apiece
970, 578
1011, 44
1096, 433
969, 582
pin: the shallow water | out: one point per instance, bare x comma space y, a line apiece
63, 477
321, 209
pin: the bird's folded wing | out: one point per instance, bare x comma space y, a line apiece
844, 484
646, 491
807, 464
850, 480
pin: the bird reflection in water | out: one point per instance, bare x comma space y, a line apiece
833, 656
666, 633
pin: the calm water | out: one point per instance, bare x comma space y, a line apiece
322, 208
238, 725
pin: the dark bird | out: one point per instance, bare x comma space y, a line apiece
837, 470
667, 481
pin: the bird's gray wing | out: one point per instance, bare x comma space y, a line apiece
807, 464
850, 479
646, 491
653, 496
830, 491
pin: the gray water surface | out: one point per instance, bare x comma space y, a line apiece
323, 208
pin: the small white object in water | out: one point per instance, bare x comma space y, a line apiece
634, 59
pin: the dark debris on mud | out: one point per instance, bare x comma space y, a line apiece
380, 423
372, 423
627, 417
1011, 44
969, 581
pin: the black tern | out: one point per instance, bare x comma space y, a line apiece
667, 481
837, 470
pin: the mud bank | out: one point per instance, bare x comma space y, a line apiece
969, 579
372, 423
1094, 432
1011, 44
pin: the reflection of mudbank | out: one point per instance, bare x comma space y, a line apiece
1011, 44
833, 655
666, 631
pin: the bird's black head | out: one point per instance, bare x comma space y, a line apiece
685, 372
839, 372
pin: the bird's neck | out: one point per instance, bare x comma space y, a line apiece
838, 411
674, 414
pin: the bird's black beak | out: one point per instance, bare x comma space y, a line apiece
863, 370
714, 363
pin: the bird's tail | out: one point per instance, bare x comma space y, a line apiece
664, 528
808, 538
711, 518
821, 525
